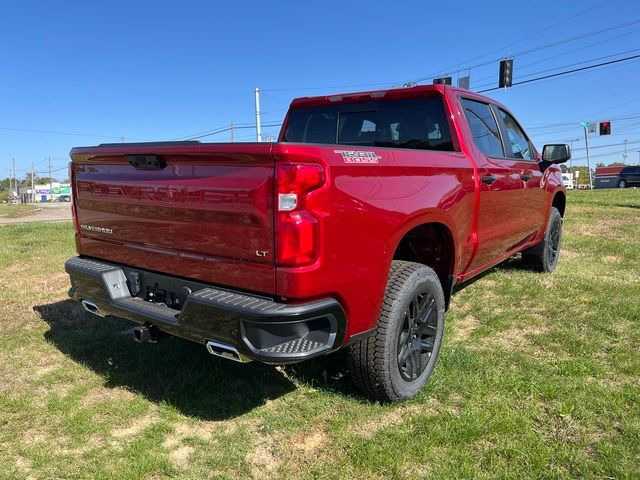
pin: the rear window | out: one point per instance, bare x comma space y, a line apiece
419, 123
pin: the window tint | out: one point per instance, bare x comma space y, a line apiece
483, 128
419, 123
312, 125
519, 144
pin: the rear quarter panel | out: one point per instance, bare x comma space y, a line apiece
365, 209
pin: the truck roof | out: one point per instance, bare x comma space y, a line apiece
388, 94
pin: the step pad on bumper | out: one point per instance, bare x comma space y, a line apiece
258, 327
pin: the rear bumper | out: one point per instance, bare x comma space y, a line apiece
257, 327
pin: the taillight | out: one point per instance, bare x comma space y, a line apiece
74, 213
296, 227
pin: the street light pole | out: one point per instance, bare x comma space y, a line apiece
585, 125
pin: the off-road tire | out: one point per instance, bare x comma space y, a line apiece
374, 362
544, 256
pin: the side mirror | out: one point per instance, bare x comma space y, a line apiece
556, 153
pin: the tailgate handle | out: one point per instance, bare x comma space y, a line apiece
146, 162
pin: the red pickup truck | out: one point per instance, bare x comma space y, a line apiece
349, 232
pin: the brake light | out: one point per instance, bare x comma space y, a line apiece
296, 227
74, 213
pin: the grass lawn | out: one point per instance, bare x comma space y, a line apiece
15, 211
539, 377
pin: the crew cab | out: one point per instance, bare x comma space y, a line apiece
349, 232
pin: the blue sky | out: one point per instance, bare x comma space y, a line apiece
166, 70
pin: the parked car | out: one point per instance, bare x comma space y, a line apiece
629, 177
64, 198
349, 232
567, 181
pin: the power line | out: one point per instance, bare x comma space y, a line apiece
216, 132
608, 145
50, 132
589, 67
572, 64
540, 47
466, 62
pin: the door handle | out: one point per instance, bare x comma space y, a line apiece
525, 177
488, 179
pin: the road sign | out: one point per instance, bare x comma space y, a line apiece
577, 173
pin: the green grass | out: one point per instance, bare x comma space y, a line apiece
538, 378
15, 211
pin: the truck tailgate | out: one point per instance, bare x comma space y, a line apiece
194, 210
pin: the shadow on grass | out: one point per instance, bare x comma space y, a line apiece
178, 372
513, 263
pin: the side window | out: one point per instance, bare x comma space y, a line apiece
519, 143
483, 127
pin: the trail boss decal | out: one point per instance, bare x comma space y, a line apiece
358, 156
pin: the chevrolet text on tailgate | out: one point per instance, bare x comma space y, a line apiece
349, 232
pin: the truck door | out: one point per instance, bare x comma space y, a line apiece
530, 205
499, 225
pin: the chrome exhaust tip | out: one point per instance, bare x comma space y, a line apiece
91, 308
226, 351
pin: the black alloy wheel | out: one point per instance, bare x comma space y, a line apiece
417, 336
545, 255
553, 245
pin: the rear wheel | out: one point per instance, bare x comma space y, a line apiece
622, 184
544, 256
397, 361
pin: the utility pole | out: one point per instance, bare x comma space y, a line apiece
258, 126
571, 149
638, 156
50, 180
585, 125
33, 174
232, 131
625, 154
15, 180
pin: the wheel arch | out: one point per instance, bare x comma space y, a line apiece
431, 243
560, 202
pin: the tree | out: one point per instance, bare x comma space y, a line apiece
27, 179
45, 180
5, 184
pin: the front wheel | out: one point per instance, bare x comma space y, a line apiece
622, 184
544, 256
397, 361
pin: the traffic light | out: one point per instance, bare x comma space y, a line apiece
442, 81
605, 128
506, 73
